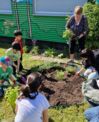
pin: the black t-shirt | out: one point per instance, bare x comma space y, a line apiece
96, 58
92, 60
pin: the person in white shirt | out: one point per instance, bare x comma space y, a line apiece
32, 106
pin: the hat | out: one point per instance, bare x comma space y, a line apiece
17, 33
16, 46
3, 60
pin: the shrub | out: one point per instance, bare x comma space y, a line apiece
91, 1
11, 96
92, 13
59, 75
27, 49
35, 50
71, 69
50, 52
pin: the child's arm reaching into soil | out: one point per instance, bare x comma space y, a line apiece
79, 72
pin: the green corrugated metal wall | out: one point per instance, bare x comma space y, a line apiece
44, 28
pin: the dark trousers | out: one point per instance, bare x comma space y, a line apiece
20, 67
91, 103
73, 44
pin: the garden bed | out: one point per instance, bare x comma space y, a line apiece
61, 87
62, 92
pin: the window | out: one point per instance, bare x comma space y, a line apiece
55, 7
5, 7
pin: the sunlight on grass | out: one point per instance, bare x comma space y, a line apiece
58, 114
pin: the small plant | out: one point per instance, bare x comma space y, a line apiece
47, 65
61, 55
50, 52
11, 96
35, 50
59, 75
27, 49
67, 34
71, 70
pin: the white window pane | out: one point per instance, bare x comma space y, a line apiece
5, 6
56, 7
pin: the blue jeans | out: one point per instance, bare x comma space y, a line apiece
92, 114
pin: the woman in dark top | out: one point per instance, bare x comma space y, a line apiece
79, 26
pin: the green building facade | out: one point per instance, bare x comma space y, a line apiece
37, 19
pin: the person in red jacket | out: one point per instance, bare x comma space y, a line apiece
18, 39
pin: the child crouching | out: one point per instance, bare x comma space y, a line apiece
32, 106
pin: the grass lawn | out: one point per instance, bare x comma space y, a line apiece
57, 114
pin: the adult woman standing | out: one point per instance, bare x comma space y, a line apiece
79, 26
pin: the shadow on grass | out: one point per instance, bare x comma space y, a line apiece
51, 120
5, 45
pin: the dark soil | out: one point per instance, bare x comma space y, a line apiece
65, 92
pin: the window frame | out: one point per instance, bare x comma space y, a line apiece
43, 13
7, 11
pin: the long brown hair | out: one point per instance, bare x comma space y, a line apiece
34, 80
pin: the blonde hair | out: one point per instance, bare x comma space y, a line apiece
78, 10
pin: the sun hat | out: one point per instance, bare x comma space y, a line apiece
3, 60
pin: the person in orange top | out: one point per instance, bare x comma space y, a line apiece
18, 39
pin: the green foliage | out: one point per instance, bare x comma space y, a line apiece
92, 1
61, 55
35, 50
71, 69
50, 52
58, 114
67, 34
47, 65
27, 49
69, 114
92, 13
11, 96
6, 112
59, 75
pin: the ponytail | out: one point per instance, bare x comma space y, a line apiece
26, 92
34, 81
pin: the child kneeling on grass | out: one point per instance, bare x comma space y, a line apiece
92, 114
6, 71
14, 55
32, 106
91, 93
